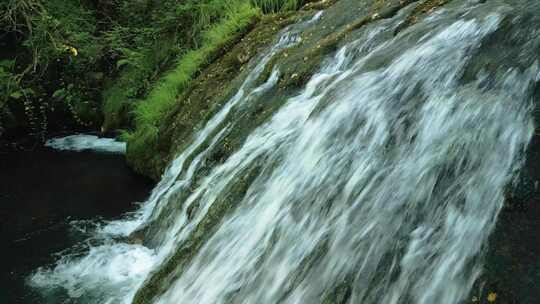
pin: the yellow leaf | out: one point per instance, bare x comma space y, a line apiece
492, 297
70, 49
73, 51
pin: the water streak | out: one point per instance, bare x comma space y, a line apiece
83, 142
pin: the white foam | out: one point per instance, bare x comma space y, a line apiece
109, 272
83, 142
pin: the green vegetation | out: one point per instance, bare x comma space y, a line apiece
278, 5
143, 96
150, 111
116, 64
46, 47
8, 90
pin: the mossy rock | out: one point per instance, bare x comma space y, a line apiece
207, 93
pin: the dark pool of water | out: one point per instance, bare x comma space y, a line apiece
512, 264
41, 192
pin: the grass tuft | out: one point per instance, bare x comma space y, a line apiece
149, 112
274, 6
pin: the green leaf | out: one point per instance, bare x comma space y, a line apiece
16, 95
29, 91
59, 93
121, 63
8, 64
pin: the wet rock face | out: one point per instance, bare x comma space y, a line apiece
511, 266
524, 190
508, 48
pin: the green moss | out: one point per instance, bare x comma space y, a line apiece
208, 91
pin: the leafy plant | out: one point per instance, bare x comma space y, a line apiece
130, 59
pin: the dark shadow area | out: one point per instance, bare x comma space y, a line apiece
512, 266
41, 192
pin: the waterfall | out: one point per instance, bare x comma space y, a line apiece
383, 177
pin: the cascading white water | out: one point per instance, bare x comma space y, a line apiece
401, 191
389, 179
112, 272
